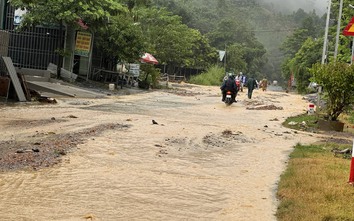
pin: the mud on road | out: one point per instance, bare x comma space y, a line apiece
162, 155
45, 149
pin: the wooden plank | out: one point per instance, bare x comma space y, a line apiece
14, 78
25, 86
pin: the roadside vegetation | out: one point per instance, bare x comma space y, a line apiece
314, 185
213, 76
182, 34
302, 122
350, 117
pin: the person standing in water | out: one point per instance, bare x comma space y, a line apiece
251, 85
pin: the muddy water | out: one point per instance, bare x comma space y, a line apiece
203, 161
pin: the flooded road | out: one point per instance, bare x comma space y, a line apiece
201, 161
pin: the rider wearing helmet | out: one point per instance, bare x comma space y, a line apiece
229, 85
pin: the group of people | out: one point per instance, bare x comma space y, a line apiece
234, 84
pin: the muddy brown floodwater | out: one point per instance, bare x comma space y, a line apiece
201, 160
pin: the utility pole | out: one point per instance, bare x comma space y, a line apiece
324, 54
225, 59
325, 42
338, 29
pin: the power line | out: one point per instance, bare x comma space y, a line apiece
275, 30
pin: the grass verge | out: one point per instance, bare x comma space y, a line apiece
314, 185
305, 122
302, 122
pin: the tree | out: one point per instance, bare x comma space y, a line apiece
171, 41
121, 40
337, 79
294, 42
203, 55
302, 49
250, 52
234, 58
67, 12
309, 54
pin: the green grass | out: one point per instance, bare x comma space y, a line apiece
310, 122
350, 117
314, 186
212, 77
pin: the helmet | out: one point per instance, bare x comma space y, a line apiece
230, 74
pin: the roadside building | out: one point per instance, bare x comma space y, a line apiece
37, 47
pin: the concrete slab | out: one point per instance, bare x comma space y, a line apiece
14, 78
56, 90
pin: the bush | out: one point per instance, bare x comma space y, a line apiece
148, 76
337, 80
213, 76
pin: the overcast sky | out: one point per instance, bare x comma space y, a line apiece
292, 5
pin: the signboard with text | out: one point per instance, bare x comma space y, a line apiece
83, 44
134, 69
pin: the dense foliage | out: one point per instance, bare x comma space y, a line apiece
258, 39
213, 76
92, 14
120, 40
305, 46
302, 49
344, 46
337, 79
68, 12
173, 42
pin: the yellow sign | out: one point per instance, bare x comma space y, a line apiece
83, 43
351, 29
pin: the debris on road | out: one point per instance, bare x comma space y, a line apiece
265, 107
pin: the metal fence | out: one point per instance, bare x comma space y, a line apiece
34, 47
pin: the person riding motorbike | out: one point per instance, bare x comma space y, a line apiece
229, 85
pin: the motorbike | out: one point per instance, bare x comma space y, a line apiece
228, 99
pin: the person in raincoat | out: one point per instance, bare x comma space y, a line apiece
264, 84
251, 85
229, 85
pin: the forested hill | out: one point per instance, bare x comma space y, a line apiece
288, 6
261, 18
